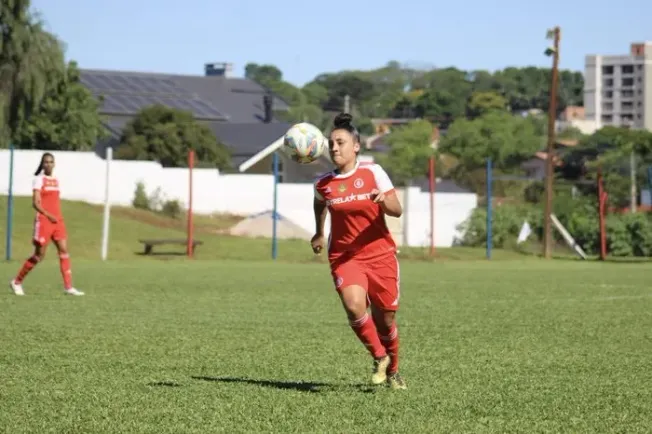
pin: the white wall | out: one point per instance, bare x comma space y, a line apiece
82, 177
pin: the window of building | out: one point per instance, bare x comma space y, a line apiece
608, 94
626, 105
608, 106
628, 82
627, 69
607, 70
609, 82
627, 93
607, 118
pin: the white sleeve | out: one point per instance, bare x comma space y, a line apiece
37, 183
383, 182
317, 195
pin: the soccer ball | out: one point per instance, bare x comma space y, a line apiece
304, 143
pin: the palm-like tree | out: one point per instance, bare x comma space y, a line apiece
31, 61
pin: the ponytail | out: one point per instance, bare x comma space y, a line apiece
39, 169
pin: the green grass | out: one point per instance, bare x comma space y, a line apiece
242, 346
128, 225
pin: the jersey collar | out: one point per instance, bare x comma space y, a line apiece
349, 173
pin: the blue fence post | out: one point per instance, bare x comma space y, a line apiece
489, 210
10, 203
649, 183
274, 211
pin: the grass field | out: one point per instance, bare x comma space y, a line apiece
238, 346
245, 345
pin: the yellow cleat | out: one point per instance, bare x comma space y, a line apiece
379, 370
395, 381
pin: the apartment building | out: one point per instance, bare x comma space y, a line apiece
618, 88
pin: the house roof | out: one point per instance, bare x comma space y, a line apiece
231, 107
214, 98
247, 140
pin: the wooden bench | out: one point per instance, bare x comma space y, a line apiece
149, 244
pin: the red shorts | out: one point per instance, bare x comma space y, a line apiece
44, 231
379, 277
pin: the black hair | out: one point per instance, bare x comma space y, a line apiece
40, 166
344, 121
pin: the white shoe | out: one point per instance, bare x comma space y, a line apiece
73, 291
16, 287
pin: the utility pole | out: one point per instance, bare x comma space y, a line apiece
552, 116
347, 104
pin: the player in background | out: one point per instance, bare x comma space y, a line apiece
48, 225
361, 250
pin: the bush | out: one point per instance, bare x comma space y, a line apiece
507, 223
172, 208
627, 234
141, 201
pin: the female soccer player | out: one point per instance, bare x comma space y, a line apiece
361, 250
48, 225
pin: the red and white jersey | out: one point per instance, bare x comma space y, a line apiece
49, 188
358, 227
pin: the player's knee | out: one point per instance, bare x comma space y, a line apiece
354, 300
388, 318
39, 254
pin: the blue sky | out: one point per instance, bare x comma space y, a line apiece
307, 38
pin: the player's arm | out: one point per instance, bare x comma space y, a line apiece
36, 198
320, 209
386, 196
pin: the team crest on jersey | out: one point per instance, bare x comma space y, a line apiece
358, 183
342, 188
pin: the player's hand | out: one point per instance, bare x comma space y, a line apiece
377, 196
52, 219
317, 243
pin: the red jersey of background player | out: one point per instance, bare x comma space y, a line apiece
50, 198
358, 227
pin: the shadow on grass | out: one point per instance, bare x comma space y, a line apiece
164, 253
164, 384
300, 386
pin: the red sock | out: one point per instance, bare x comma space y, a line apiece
26, 268
365, 329
66, 273
390, 342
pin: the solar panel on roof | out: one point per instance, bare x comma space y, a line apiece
114, 105
126, 84
204, 110
145, 84
92, 81
132, 104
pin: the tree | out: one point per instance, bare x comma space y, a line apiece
610, 149
166, 135
482, 102
264, 75
66, 120
410, 149
508, 140
30, 60
440, 95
